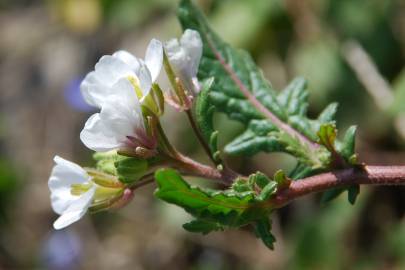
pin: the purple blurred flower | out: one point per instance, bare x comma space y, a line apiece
62, 250
74, 97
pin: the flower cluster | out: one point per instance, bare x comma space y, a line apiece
124, 88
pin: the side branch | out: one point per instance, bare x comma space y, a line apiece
191, 167
369, 175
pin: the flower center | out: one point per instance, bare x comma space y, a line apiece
102, 193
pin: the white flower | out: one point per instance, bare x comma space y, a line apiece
119, 124
117, 86
184, 57
100, 84
70, 207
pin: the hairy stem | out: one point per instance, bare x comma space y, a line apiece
191, 167
145, 180
199, 136
369, 175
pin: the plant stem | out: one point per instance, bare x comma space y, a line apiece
369, 175
191, 167
199, 136
142, 183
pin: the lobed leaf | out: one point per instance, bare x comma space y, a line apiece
263, 231
226, 208
204, 227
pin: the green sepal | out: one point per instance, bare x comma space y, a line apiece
263, 231
130, 169
204, 112
154, 101
201, 226
157, 95
105, 161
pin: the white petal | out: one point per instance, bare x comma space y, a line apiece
123, 91
123, 119
145, 80
126, 95
97, 136
120, 120
172, 46
175, 52
192, 44
96, 87
128, 58
154, 58
93, 90
76, 210
64, 174
110, 69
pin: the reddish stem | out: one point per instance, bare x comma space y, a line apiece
369, 175
191, 167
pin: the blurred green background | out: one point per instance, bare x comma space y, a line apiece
351, 51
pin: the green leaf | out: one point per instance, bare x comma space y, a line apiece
328, 114
204, 112
260, 179
282, 180
274, 122
241, 185
352, 193
269, 190
226, 208
327, 136
346, 148
331, 194
130, 169
200, 226
263, 231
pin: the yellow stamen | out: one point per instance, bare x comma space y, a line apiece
79, 189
